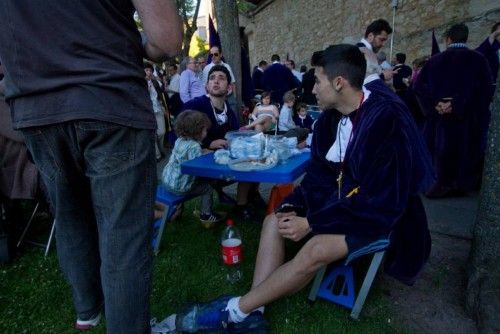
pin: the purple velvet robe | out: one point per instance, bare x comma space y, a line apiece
490, 52
457, 141
388, 161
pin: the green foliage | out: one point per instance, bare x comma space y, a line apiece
185, 7
202, 45
34, 297
245, 6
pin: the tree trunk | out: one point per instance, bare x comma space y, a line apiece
226, 14
189, 28
483, 288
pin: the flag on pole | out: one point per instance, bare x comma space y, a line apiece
213, 38
435, 45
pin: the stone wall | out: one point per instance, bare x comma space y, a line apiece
299, 27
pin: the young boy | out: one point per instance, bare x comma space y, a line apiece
302, 119
191, 128
286, 114
286, 126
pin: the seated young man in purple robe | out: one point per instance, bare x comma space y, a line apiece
379, 157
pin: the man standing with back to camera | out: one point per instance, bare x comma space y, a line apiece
83, 107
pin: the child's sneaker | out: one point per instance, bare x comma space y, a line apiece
84, 325
209, 219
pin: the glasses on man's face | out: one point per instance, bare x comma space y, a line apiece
215, 54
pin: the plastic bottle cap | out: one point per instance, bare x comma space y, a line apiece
229, 222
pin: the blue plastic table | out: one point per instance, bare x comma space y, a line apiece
287, 172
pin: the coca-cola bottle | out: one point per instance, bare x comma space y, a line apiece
231, 248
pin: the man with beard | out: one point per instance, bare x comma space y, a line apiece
223, 119
376, 35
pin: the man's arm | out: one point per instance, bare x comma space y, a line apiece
184, 87
162, 26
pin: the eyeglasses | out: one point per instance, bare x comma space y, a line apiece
215, 54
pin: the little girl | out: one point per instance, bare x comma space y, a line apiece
264, 115
191, 128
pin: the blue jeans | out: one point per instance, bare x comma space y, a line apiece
100, 179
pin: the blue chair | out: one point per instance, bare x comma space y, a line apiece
338, 287
171, 201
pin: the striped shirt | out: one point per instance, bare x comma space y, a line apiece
184, 149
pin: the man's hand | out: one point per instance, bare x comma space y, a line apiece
494, 35
162, 34
293, 227
444, 107
218, 143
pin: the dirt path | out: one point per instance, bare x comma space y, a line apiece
435, 304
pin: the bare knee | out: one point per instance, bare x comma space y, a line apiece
270, 224
319, 251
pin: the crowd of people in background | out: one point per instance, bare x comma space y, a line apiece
277, 77
442, 103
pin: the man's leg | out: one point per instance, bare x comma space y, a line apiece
160, 134
254, 124
271, 253
122, 173
242, 208
295, 274
271, 281
56, 154
242, 190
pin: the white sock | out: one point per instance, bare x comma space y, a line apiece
235, 314
260, 309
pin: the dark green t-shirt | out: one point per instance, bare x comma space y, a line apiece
73, 60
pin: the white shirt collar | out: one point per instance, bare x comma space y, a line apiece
366, 94
336, 153
367, 44
370, 78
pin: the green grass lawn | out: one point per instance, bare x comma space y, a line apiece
34, 297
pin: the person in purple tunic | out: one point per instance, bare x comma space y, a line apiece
383, 165
454, 89
489, 49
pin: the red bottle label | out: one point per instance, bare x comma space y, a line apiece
231, 251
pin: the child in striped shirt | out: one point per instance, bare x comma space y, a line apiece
191, 128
